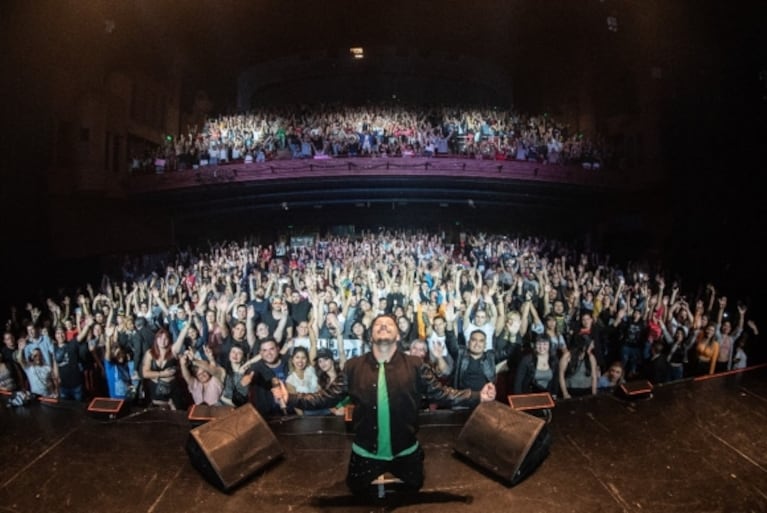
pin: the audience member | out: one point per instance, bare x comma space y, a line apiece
613, 377
42, 377
657, 369
578, 369
160, 367
204, 386
223, 300
382, 130
537, 371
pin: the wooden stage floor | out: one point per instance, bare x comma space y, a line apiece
694, 446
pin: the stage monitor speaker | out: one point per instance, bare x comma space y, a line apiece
107, 408
537, 401
201, 413
641, 389
229, 449
509, 444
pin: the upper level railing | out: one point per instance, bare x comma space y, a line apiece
448, 167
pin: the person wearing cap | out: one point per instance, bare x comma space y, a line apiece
329, 377
385, 386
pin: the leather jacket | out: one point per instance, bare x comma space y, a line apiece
408, 380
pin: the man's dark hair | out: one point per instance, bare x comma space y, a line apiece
484, 336
266, 341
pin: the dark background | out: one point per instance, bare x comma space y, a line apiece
711, 101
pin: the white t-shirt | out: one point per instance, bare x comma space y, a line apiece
740, 361
436, 338
488, 329
40, 379
301, 342
307, 385
352, 347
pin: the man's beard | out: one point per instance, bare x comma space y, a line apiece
384, 342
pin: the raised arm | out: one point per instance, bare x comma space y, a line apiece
537, 323
279, 331
223, 326
20, 356
451, 340
472, 303
250, 330
711, 295
564, 361
210, 365
741, 320
82, 335
156, 296
492, 312
184, 364
178, 345
524, 316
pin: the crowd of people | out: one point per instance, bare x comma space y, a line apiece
394, 130
227, 324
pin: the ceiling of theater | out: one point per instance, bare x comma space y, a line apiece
208, 42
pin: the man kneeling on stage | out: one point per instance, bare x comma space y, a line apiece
386, 386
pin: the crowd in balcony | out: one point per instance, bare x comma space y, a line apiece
331, 131
220, 325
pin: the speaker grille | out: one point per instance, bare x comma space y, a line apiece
229, 449
508, 443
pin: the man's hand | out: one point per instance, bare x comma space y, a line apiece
487, 393
280, 393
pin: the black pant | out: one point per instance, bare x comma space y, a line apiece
362, 471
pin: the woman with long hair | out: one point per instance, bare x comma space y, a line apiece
365, 313
678, 345
706, 350
120, 374
236, 391
578, 370
357, 340
302, 377
95, 336
160, 367
329, 377
538, 371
